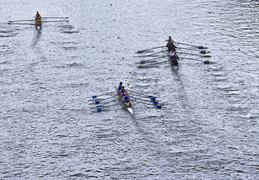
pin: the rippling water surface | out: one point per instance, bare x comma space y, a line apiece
207, 127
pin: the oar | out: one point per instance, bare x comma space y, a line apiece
19, 21
150, 60
94, 97
199, 47
202, 51
205, 62
98, 102
100, 99
147, 99
151, 64
102, 106
54, 17
57, 21
193, 54
141, 51
151, 54
144, 95
156, 104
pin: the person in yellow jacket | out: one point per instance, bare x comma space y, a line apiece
38, 18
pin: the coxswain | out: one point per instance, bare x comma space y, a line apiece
169, 40
170, 45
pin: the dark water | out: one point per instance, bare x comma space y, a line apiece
206, 129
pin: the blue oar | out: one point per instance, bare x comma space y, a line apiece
155, 103
94, 97
141, 94
148, 99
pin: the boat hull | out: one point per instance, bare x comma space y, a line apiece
173, 61
127, 104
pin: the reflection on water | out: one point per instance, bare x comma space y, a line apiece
36, 36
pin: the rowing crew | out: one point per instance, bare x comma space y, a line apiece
123, 93
172, 52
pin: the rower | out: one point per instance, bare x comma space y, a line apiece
126, 101
124, 91
173, 56
37, 16
126, 98
120, 86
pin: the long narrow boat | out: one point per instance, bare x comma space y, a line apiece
173, 59
127, 103
38, 23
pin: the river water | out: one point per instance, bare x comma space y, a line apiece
207, 127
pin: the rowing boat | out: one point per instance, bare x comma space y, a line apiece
173, 61
38, 23
127, 103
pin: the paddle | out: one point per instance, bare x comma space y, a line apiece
141, 51
199, 47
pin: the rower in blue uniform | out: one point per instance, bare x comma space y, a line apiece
120, 86
126, 98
